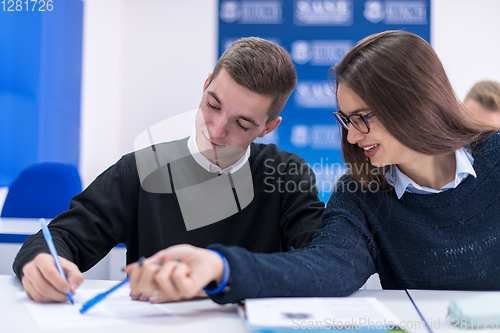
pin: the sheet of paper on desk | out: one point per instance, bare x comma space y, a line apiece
348, 312
117, 308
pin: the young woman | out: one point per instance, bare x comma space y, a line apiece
420, 205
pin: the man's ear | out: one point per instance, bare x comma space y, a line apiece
207, 82
270, 127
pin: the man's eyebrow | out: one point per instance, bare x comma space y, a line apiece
250, 120
214, 95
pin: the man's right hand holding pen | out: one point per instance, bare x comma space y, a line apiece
176, 273
43, 283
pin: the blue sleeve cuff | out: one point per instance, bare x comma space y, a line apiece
225, 278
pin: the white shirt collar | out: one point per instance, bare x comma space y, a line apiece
402, 183
209, 166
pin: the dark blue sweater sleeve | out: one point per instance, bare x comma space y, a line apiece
337, 262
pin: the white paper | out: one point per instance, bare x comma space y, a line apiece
117, 308
339, 312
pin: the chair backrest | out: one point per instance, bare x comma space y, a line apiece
42, 190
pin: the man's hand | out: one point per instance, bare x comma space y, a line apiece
43, 283
179, 272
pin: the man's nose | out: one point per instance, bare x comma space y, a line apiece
218, 127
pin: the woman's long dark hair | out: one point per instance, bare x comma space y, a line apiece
400, 78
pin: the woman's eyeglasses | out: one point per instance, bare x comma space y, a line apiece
359, 121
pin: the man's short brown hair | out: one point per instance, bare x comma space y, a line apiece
486, 93
261, 67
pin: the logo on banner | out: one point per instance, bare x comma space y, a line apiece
374, 11
314, 95
396, 12
251, 12
300, 136
327, 12
319, 52
316, 136
301, 52
325, 137
229, 11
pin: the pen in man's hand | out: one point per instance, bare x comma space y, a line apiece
53, 251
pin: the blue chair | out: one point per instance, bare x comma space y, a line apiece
42, 190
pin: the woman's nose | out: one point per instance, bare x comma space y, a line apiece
353, 135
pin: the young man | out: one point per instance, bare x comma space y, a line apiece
141, 201
484, 101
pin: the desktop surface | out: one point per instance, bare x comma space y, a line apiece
191, 316
207, 316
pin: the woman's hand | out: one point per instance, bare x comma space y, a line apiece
176, 273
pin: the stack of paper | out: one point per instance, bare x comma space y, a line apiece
339, 313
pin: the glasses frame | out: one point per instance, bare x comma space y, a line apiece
345, 120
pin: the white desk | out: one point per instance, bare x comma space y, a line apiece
433, 304
196, 316
14, 231
398, 302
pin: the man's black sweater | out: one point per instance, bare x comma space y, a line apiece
284, 213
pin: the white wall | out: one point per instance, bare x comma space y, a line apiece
143, 61
466, 36
146, 60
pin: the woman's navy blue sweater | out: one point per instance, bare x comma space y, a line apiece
448, 240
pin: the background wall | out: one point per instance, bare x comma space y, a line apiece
144, 61
147, 60
466, 37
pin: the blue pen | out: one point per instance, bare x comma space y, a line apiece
53, 251
101, 296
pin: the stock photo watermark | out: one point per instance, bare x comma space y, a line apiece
366, 323
362, 323
279, 177
27, 5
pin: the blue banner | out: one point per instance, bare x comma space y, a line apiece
317, 33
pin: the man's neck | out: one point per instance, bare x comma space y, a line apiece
234, 161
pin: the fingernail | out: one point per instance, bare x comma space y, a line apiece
153, 299
75, 286
66, 290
